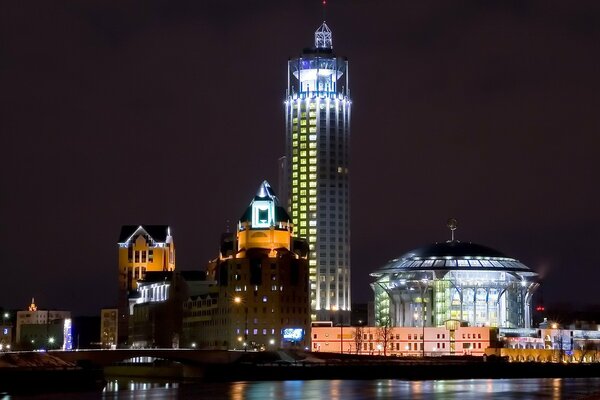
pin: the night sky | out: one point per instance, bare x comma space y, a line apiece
162, 112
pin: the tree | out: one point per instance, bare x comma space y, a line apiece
358, 338
384, 335
587, 346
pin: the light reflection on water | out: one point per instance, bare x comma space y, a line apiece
467, 389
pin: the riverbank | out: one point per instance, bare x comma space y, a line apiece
40, 372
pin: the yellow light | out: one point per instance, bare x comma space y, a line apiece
237, 299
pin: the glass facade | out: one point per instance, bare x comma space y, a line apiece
454, 281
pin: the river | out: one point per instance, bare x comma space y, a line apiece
480, 389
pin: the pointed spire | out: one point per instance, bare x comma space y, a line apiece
264, 190
32, 306
323, 37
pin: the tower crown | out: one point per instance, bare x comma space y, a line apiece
264, 210
323, 37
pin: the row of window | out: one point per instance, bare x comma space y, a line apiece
140, 255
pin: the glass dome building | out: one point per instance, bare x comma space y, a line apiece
454, 281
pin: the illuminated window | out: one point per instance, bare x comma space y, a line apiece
312, 168
312, 262
313, 200
295, 175
295, 159
295, 136
312, 231
312, 137
312, 176
302, 169
303, 153
303, 185
312, 192
312, 145
312, 153
303, 161
313, 185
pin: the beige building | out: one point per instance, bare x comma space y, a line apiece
260, 297
409, 341
41, 326
109, 328
142, 248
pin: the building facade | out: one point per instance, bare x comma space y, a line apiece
260, 297
43, 329
142, 248
454, 280
317, 162
109, 328
396, 341
157, 315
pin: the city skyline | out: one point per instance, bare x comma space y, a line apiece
117, 115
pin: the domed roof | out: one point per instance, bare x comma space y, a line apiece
454, 248
453, 255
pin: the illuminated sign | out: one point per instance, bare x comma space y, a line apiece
293, 334
67, 335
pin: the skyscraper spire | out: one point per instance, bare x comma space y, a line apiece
323, 37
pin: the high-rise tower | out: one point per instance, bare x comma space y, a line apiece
318, 142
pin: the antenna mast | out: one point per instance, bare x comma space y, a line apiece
452, 224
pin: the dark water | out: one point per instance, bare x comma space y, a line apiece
506, 389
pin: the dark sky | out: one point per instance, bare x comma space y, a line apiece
163, 112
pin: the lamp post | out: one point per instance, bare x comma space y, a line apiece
238, 300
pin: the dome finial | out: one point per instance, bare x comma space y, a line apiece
452, 224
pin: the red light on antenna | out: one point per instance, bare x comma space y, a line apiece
324, 2
540, 308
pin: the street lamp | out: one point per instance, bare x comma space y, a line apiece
238, 300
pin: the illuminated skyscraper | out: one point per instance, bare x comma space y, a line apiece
318, 143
